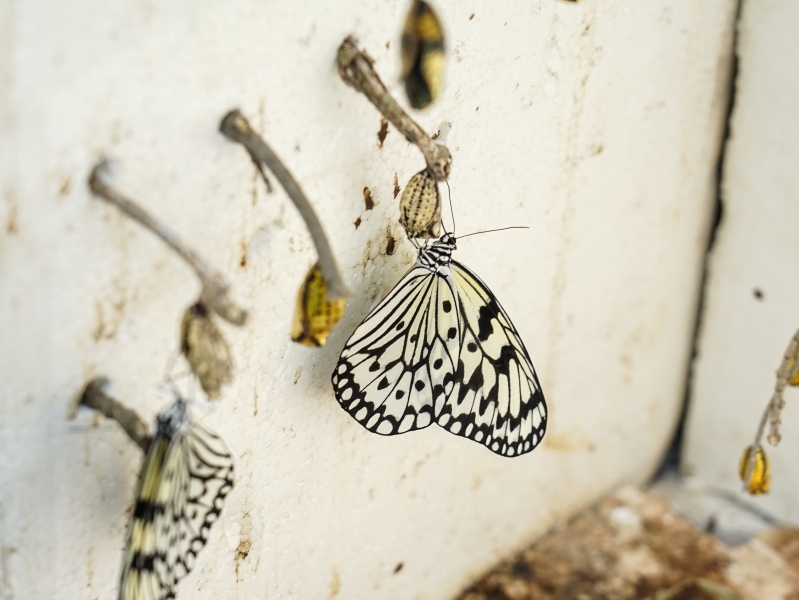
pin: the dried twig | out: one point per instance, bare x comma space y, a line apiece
786, 372
214, 286
94, 396
355, 68
236, 127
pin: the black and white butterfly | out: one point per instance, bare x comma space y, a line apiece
440, 348
187, 474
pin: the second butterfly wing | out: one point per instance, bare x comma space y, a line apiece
497, 400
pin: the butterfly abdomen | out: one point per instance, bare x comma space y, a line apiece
147, 511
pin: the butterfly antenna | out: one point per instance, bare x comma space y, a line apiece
202, 405
169, 386
451, 211
493, 230
170, 365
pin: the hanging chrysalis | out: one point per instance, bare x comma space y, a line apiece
791, 370
422, 54
760, 477
205, 349
315, 315
420, 206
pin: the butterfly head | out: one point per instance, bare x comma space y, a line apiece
448, 239
174, 419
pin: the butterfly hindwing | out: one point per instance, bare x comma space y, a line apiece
399, 364
497, 400
187, 474
202, 470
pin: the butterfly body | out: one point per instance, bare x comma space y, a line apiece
437, 257
187, 474
440, 348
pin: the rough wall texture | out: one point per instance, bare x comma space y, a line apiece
596, 124
753, 286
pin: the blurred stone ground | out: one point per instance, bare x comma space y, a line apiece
674, 541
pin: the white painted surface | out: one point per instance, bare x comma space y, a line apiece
743, 337
598, 126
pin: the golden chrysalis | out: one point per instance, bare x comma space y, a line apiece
205, 350
791, 367
420, 206
315, 315
760, 478
422, 54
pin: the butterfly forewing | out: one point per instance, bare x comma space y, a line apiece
174, 560
187, 474
203, 475
497, 400
396, 369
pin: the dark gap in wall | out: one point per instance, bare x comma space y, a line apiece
673, 457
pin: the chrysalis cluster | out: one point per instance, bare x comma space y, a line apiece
422, 55
420, 207
755, 471
205, 349
315, 315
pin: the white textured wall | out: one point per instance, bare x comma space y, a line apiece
743, 337
597, 124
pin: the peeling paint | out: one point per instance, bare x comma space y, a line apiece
367, 199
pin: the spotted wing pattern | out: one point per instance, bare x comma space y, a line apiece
187, 474
398, 366
497, 400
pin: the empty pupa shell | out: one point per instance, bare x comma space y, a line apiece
760, 478
423, 55
205, 350
420, 206
315, 315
